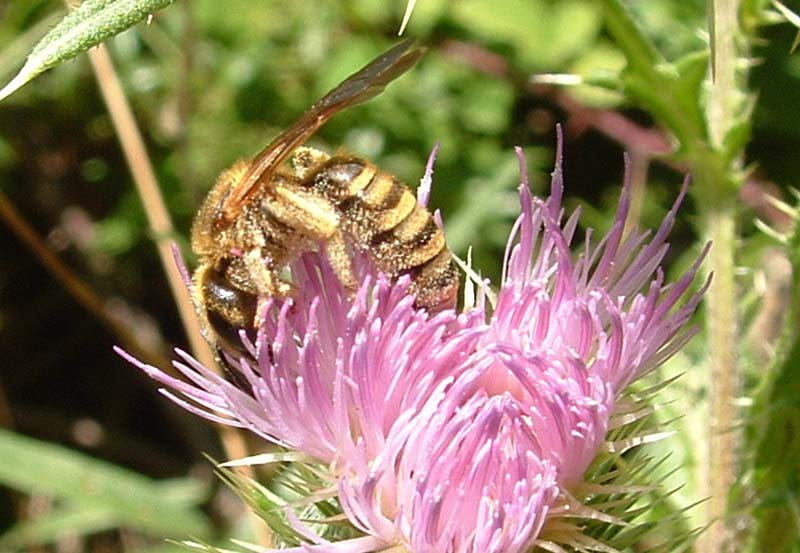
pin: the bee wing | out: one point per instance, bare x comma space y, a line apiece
359, 87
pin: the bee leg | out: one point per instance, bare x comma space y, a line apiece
305, 159
337, 255
268, 283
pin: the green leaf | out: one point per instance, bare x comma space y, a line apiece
641, 53
164, 547
600, 70
130, 499
737, 138
571, 28
649, 80
87, 26
74, 521
691, 72
303, 486
492, 197
502, 20
691, 69
487, 106
544, 34
774, 433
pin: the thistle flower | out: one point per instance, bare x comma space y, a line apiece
570, 336
458, 432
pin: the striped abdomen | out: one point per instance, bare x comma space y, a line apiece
381, 216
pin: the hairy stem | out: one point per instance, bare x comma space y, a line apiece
719, 225
723, 93
721, 325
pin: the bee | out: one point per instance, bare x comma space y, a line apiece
263, 214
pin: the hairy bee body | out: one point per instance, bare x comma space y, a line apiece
243, 260
262, 215
380, 215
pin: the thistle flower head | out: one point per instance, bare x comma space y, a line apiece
458, 432
570, 334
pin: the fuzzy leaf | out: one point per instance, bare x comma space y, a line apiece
737, 138
90, 24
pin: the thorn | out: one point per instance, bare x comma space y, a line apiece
407, 16
20, 79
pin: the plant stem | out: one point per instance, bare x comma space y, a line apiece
146, 184
73, 284
719, 226
723, 94
160, 225
721, 325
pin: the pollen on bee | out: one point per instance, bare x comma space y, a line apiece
232, 176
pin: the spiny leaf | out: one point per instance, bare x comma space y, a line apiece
87, 26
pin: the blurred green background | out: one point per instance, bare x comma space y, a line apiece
211, 82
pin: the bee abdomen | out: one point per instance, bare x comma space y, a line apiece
414, 241
389, 201
435, 282
381, 216
227, 308
340, 179
370, 201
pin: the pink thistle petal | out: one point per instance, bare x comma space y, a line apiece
426, 183
592, 310
456, 432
